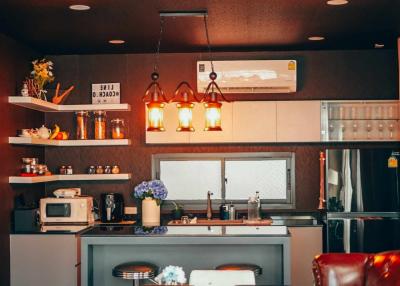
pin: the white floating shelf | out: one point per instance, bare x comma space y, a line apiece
66, 143
77, 177
45, 106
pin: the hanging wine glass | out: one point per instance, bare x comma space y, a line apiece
342, 130
381, 127
391, 129
331, 130
355, 129
368, 127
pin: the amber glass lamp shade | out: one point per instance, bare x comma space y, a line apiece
213, 116
155, 116
155, 103
185, 116
185, 98
213, 105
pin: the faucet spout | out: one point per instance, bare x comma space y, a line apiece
209, 206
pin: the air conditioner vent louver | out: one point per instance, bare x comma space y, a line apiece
253, 76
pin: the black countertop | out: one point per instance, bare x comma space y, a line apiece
187, 230
55, 229
298, 219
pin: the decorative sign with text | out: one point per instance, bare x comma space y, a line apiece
103, 93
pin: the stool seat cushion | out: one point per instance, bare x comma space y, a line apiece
241, 266
221, 277
135, 270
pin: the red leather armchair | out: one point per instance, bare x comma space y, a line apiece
357, 269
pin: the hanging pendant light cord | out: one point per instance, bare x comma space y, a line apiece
157, 55
208, 43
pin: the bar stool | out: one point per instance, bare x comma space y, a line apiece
257, 270
135, 271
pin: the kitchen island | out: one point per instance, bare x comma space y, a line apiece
192, 247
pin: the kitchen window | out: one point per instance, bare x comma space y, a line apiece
229, 176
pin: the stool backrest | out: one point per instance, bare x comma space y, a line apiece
221, 277
340, 269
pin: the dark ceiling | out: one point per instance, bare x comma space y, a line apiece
245, 25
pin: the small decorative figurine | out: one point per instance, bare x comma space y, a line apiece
24, 90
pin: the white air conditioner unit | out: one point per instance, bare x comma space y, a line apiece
249, 76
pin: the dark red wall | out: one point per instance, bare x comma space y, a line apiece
14, 66
368, 74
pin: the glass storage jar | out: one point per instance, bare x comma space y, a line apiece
118, 130
100, 125
82, 125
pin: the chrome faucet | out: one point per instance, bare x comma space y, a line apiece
209, 207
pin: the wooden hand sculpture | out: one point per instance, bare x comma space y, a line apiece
57, 99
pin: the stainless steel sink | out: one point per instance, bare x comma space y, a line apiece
294, 220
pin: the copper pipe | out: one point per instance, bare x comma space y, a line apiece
321, 205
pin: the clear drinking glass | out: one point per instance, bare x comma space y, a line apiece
381, 128
355, 129
391, 127
368, 128
331, 130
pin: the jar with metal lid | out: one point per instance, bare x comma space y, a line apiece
82, 125
99, 170
115, 169
107, 170
118, 130
100, 125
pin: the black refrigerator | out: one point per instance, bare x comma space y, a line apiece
362, 199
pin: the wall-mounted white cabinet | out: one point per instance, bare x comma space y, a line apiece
254, 121
298, 121
247, 122
201, 136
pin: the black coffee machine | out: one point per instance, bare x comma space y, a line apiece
112, 207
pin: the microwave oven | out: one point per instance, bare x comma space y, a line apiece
66, 210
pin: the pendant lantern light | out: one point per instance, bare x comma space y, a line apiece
154, 96
185, 98
213, 95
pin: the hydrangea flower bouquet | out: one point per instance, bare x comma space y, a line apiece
152, 189
171, 275
151, 194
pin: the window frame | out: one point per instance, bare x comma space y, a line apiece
288, 203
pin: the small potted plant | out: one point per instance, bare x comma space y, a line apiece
177, 211
151, 194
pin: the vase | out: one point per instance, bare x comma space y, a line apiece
150, 212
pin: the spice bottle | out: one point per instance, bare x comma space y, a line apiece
91, 170
115, 169
82, 125
100, 125
99, 170
107, 169
117, 128
63, 170
70, 171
